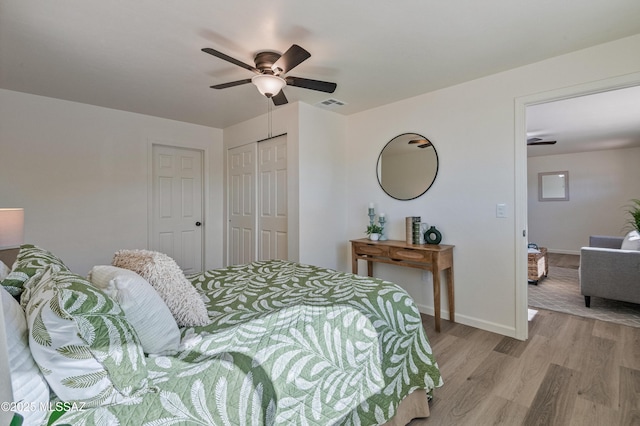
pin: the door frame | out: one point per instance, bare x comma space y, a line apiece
520, 164
205, 190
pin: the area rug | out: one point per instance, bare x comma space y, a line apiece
560, 291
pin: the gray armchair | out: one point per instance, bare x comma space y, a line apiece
608, 272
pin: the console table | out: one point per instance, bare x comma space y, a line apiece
434, 258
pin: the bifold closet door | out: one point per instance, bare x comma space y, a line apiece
241, 193
272, 241
257, 201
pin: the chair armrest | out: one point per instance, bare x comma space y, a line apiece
610, 273
605, 241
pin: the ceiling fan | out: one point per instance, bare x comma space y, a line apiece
538, 141
270, 68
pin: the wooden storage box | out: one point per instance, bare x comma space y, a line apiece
538, 265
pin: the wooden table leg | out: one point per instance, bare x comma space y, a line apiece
450, 294
436, 296
354, 260
370, 268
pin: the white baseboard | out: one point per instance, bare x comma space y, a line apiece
473, 322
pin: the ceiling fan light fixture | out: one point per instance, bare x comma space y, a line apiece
268, 85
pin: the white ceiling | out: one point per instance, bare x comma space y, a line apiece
144, 55
607, 120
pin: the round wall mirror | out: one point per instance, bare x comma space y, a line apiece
407, 166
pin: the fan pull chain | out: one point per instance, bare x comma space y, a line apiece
270, 126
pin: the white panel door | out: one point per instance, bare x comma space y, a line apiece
177, 228
241, 187
272, 171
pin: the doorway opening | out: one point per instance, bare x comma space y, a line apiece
523, 191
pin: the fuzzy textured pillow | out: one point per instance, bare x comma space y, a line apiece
164, 274
143, 307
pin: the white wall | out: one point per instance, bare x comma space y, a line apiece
323, 188
81, 174
472, 126
317, 174
601, 183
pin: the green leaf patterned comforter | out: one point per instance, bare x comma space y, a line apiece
289, 344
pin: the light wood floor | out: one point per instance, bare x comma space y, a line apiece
571, 371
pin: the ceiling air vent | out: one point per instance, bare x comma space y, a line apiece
331, 103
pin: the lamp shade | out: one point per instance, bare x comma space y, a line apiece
268, 85
11, 228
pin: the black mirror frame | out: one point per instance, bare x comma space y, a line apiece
435, 174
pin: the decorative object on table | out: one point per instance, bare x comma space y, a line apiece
382, 220
423, 229
409, 230
372, 213
432, 236
374, 231
415, 226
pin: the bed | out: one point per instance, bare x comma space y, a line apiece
284, 343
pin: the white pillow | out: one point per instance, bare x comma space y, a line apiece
164, 274
29, 386
4, 270
631, 241
143, 307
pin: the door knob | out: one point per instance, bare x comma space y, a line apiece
198, 223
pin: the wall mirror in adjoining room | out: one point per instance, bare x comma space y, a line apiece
553, 186
407, 166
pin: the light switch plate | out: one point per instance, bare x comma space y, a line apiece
501, 210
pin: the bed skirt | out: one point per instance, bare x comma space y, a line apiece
415, 405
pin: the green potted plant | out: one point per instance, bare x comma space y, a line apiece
374, 231
634, 211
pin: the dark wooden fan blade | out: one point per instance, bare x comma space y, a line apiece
540, 142
280, 98
290, 59
231, 84
230, 59
543, 143
530, 140
321, 86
